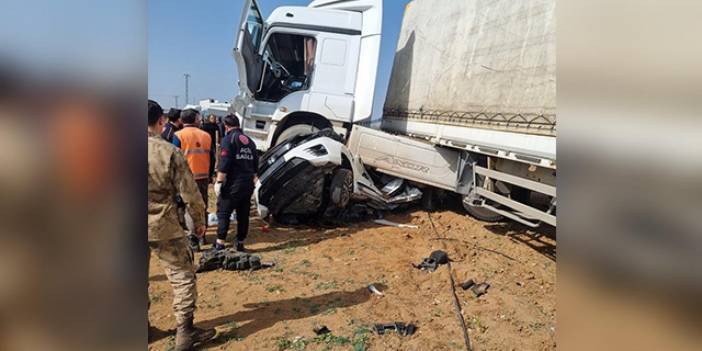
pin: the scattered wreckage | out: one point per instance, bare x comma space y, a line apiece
314, 175
432, 262
231, 260
401, 328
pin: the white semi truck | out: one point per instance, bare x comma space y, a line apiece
470, 107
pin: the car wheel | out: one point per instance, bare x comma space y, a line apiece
341, 187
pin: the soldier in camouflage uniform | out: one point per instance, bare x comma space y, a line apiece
169, 175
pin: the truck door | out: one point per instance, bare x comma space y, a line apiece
372, 12
248, 42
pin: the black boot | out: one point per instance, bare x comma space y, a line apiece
188, 336
194, 243
240, 246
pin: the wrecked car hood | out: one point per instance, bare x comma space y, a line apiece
295, 180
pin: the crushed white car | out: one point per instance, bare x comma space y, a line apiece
308, 176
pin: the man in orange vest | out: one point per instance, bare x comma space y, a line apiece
196, 144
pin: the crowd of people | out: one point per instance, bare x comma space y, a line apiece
182, 154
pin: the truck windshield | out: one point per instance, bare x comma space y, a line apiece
289, 65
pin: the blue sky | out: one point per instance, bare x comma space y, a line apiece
197, 37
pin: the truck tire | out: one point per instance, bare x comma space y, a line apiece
480, 213
294, 130
483, 214
341, 188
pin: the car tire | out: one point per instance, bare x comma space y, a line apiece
341, 188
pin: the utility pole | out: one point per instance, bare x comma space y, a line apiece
187, 80
176, 100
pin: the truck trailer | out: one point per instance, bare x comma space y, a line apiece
470, 107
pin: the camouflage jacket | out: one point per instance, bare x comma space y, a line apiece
170, 175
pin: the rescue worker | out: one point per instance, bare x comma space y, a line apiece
196, 145
169, 175
235, 182
174, 124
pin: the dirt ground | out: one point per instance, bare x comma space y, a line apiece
321, 277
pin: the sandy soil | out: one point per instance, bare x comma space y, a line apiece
322, 274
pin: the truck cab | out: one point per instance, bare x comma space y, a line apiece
304, 69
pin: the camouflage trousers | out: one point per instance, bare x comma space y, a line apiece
177, 260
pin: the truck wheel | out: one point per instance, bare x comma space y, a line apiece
295, 130
341, 188
483, 214
480, 213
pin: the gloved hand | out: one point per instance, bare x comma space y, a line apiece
218, 188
